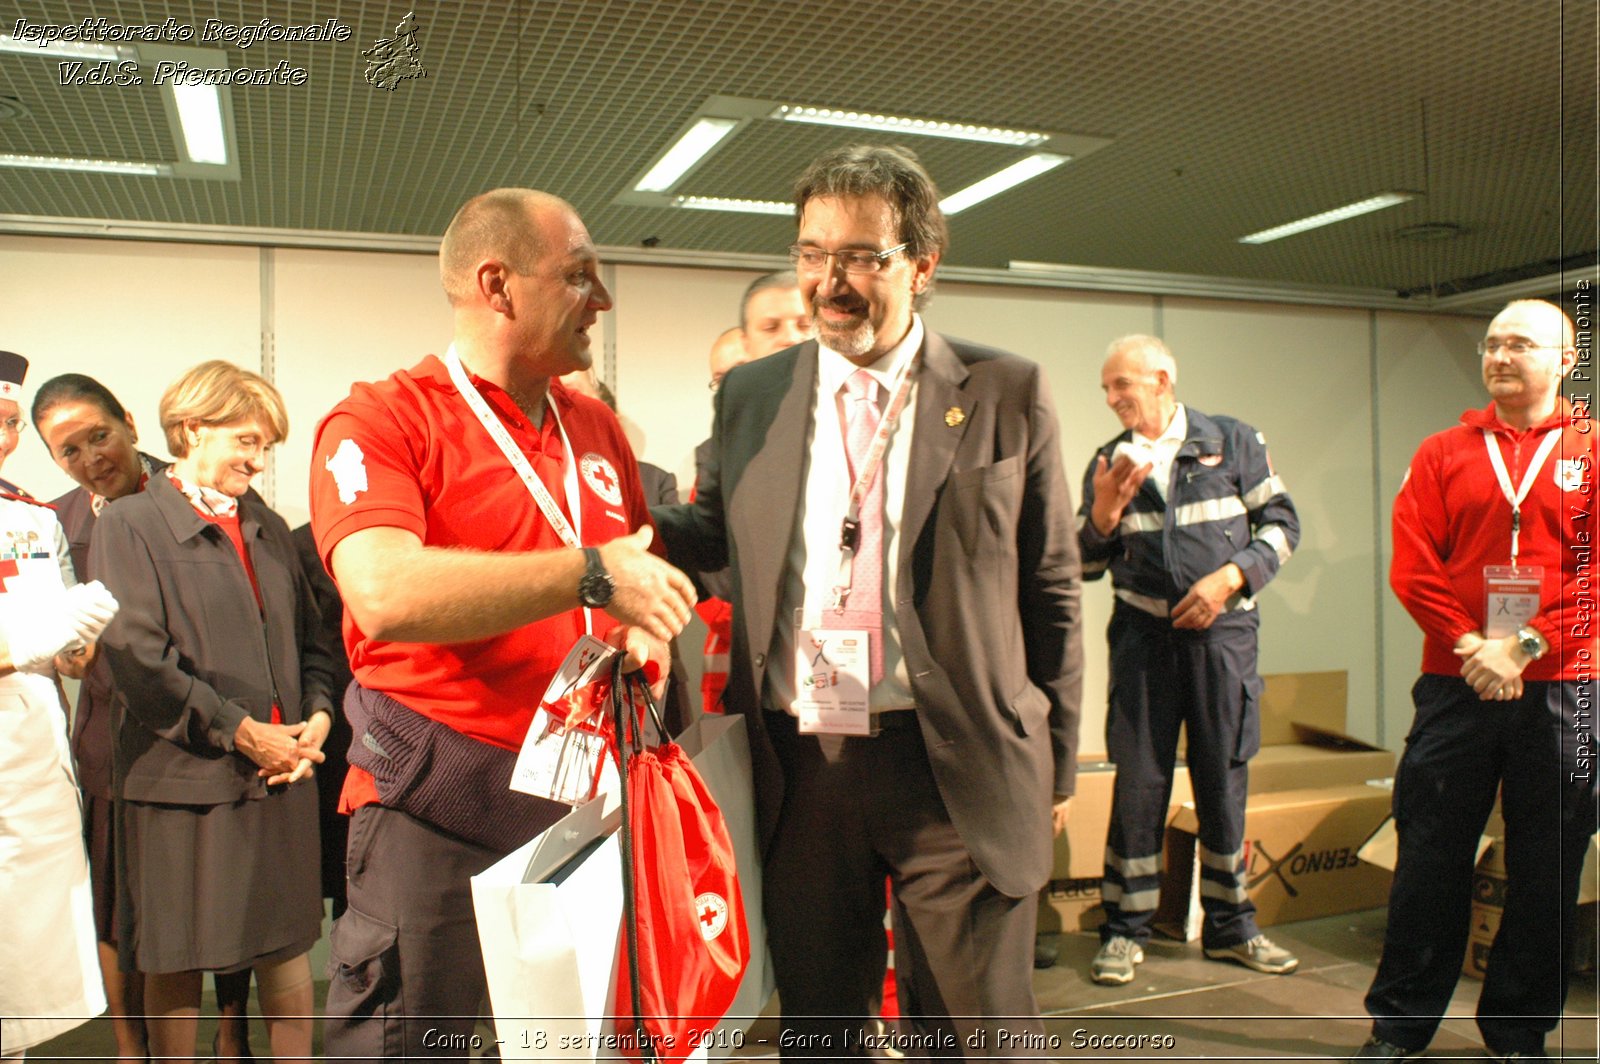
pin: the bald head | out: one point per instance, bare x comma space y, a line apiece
1525, 384
500, 225
1544, 322
1139, 378
726, 352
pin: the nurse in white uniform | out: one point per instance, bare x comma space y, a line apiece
49, 970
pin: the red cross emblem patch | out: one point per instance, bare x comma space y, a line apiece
601, 476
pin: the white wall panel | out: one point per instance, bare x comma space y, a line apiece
136, 314
133, 315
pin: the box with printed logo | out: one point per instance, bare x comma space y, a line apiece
1300, 858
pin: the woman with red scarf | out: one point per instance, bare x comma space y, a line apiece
226, 701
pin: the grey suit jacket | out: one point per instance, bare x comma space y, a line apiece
988, 588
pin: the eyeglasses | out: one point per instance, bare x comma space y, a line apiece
854, 260
14, 425
1517, 346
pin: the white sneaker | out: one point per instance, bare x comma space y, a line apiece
1113, 965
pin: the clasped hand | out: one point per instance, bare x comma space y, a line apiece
1492, 667
284, 753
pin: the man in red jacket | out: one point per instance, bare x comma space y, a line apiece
1493, 531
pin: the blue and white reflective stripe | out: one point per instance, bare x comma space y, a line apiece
1275, 537
1133, 867
1221, 862
1133, 524
1210, 888
1153, 606
1263, 492
1206, 510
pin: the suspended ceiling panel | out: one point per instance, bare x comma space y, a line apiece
1223, 117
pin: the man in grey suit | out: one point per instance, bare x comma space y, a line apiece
906, 634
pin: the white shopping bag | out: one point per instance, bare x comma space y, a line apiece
548, 920
550, 914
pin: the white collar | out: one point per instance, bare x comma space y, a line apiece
1177, 429
833, 369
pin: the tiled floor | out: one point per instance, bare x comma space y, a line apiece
1188, 1008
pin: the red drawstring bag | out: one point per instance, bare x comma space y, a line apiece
683, 913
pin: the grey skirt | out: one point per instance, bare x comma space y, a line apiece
218, 888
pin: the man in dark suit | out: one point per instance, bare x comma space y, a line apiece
909, 663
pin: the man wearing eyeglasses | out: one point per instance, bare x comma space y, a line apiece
1493, 530
906, 631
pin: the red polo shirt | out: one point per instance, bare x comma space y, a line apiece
1452, 519
408, 452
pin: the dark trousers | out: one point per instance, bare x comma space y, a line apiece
1163, 679
854, 811
406, 972
1459, 752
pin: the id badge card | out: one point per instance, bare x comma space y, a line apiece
1511, 597
831, 671
581, 665
564, 766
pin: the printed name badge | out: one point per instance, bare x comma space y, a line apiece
569, 766
831, 670
1511, 597
566, 764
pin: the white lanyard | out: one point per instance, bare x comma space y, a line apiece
1498, 460
570, 536
850, 527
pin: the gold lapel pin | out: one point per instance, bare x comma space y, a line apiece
954, 416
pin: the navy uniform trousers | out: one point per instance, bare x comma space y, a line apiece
1206, 681
1538, 751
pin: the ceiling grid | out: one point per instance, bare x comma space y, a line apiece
1224, 118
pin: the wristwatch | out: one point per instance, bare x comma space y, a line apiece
1532, 642
596, 586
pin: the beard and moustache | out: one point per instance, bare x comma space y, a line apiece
851, 339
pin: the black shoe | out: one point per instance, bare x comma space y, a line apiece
1377, 1049
1517, 1055
1044, 953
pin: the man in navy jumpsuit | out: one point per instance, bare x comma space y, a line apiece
1185, 511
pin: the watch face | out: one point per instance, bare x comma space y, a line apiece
596, 586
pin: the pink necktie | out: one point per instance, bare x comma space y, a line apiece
864, 607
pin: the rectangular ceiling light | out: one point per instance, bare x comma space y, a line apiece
93, 166
200, 115
827, 116
742, 206
1338, 214
998, 182
693, 146
62, 49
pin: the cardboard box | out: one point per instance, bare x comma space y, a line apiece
1383, 846
1071, 900
1302, 727
1320, 758
1312, 699
1300, 858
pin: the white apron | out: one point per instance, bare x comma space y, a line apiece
49, 967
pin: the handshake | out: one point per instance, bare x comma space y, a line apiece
55, 622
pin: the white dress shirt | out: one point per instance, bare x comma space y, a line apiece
811, 567
1160, 452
